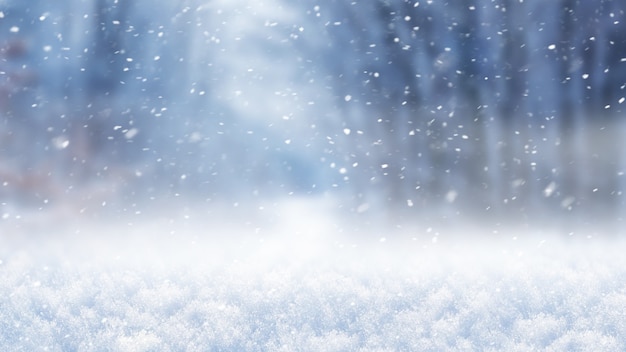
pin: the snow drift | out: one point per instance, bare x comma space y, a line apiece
177, 284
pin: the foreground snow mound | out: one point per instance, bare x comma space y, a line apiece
138, 289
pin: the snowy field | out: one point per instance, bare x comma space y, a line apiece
173, 284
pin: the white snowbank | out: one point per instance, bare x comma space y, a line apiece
145, 288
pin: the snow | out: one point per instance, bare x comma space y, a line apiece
304, 283
108, 109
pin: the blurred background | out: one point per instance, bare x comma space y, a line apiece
498, 113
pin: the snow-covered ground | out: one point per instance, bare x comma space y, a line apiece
172, 284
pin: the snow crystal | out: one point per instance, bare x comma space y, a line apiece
60, 142
550, 188
131, 133
363, 208
567, 202
451, 196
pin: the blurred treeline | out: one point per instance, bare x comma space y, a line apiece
409, 108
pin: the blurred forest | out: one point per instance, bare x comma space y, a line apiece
508, 109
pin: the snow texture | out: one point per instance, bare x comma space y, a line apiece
142, 287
